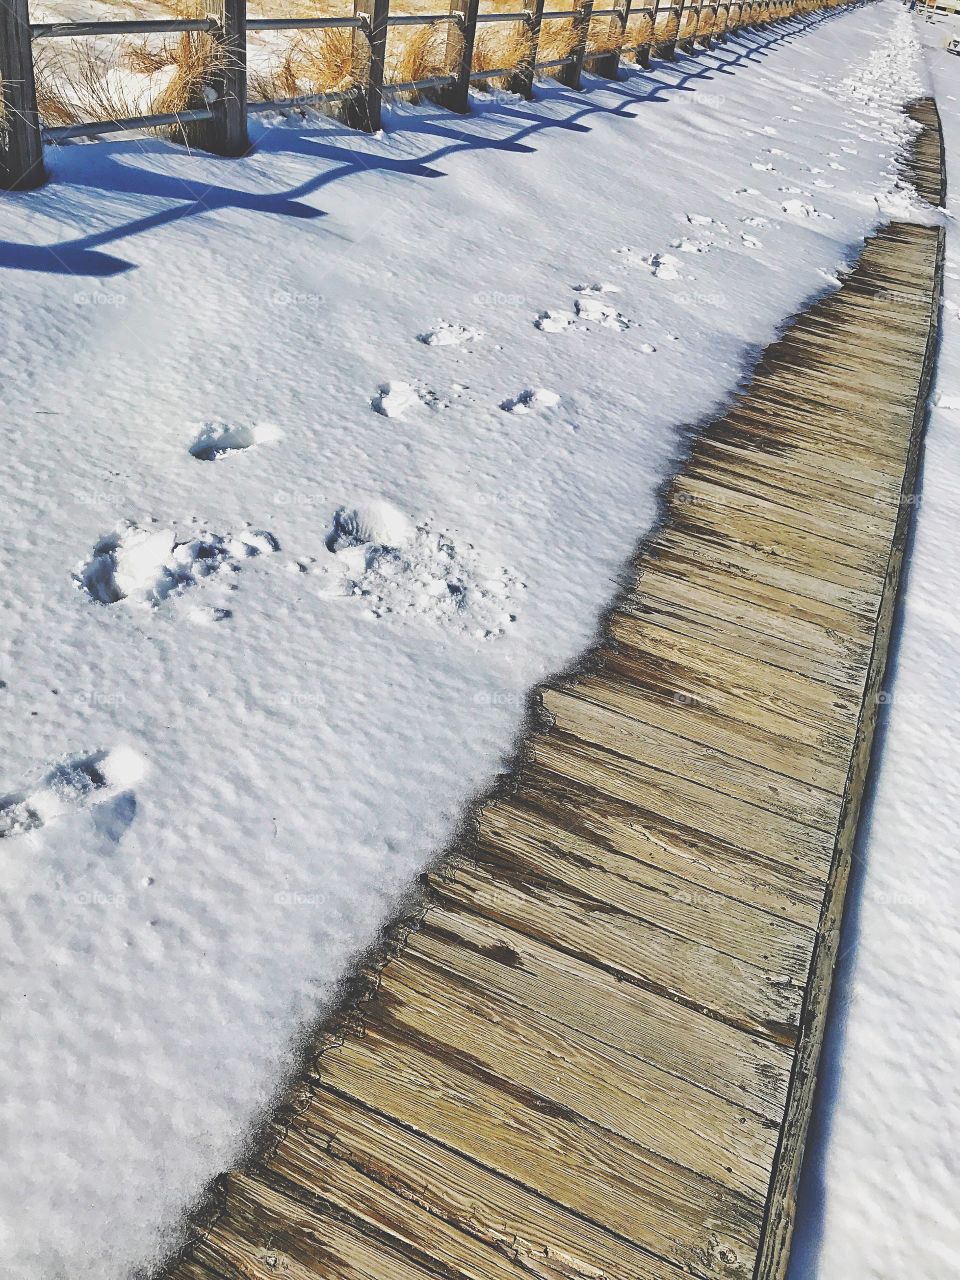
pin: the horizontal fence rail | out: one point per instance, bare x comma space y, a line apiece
217, 121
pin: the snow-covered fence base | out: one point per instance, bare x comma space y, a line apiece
217, 120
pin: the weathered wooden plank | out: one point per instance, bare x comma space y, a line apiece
518, 1133
709, 672
648, 702
760, 1000
816, 516
630, 1097
741, 1068
758, 580
611, 730
540, 1236
792, 892
694, 803
534, 846
741, 631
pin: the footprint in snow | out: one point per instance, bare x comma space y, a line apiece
145, 565
797, 209
393, 399
555, 321
449, 335
531, 399
686, 245
72, 785
377, 555
704, 220
663, 265
217, 439
594, 311
601, 287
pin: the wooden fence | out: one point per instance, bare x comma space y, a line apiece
218, 122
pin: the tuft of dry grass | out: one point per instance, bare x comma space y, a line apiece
72, 86
194, 58
76, 83
316, 62
419, 53
503, 45
666, 28
558, 39
639, 29
606, 35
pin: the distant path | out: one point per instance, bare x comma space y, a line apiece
593, 1058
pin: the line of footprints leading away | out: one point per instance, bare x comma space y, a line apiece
374, 555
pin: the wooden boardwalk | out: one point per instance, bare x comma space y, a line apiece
592, 1056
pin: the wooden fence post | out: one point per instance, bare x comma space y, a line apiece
667, 48
571, 73
21, 143
644, 47
522, 82
365, 111
608, 64
693, 9
456, 98
226, 94
705, 38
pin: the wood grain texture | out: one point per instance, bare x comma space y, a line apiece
590, 1053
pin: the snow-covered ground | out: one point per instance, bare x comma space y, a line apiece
313, 464
881, 1186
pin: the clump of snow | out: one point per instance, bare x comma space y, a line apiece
597, 287
663, 265
593, 310
379, 523
798, 209
530, 399
396, 567
555, 321
395, 398
219, 438
450, 335
144, 565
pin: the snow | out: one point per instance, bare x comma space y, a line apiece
880, 1194
262, 642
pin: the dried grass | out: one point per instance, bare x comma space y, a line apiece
503, 45
558, 39
422, 52
72, 87
666, 28
639, 30
75, 84
194, 59
316, 62
606, 35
